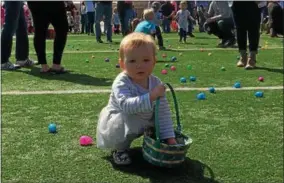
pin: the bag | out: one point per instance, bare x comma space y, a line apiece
160, 154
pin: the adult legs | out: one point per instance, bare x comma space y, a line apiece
12, 14
99, 16
108, 16
240, 18
90, 22
60, 24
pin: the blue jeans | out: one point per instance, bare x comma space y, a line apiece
125, 20
14, 23
84, 23
166, 25
103, 10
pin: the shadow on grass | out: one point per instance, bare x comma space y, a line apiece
77, 78
192, 171
281, 71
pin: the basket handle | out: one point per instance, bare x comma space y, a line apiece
157, 125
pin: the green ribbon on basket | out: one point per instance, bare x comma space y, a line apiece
157, 125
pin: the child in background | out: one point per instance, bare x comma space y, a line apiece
158, 21
70, 21
116, 21
147, 26
182, 17
130, 109
77, 20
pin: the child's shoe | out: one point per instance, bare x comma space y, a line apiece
250, 64
121, 157
242, 62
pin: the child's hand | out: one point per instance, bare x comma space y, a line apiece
158, 91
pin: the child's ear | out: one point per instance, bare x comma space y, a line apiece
121, 63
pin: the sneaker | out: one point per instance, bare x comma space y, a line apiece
230, 42
26, 63
222, 43
9, 66
121, 158
191, 35
109, 41
242, 62
250, 64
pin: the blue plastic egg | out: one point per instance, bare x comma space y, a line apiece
201, 96
258, 94
211, 90
192, 78
52, 128
183, 80
237, 85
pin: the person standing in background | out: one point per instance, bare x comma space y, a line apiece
103, 9
84, 18
15, 22
44, 13
125, 13
90, 9
168, 11
247, 16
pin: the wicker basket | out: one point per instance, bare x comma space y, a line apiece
160, 154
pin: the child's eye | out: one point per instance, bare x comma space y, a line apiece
146, 60
131, 61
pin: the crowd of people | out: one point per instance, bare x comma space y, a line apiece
230, 21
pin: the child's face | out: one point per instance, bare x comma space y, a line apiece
183, 6
138, 62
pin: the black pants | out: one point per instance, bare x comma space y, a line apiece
91, 21
159, 36
182, 34
44, 13
222, 29
247, 18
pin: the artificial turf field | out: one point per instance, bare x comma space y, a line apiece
236, 136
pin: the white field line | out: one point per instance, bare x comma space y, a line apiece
189, 49
108, 90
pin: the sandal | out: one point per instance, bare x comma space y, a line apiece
121, 157
46, 72
59, 71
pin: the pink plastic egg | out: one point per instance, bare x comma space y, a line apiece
164, 71
173, 68
86, 140
260, 78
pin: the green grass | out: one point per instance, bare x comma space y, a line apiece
236, 137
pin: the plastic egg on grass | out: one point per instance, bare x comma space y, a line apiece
201, 96
260, 78
183, 80
107, 60
164, 71
52, 128
86, 141
173, 68
212, 90
117, 66
237, 85
223, 69
192, 78
209, 54
189, 67
173, 59
258, 94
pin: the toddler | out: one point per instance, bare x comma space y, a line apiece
147, 26
116, 21
182, 17
130, 109
77, 20
70, 21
